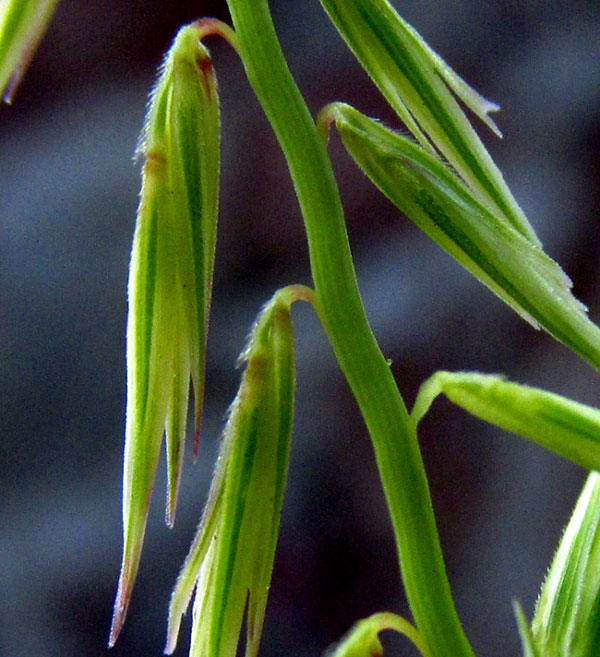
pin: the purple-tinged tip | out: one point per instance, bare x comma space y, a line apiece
196, 443
120, 608
11, 87
197, 426
214, 27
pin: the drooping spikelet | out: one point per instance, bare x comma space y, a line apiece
169, 285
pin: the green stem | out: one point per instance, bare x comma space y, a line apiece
341, 310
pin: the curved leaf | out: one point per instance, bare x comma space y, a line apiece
561, 425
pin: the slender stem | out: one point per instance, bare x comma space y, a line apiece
341, 310
215, 27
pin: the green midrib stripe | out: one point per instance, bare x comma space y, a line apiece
444, 123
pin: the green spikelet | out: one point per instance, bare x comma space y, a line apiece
440, 203
231, 558
419, 86
169, 285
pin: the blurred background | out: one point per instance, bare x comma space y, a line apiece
69, 194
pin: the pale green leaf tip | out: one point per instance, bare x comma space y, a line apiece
172, 496
480, 106
527, 640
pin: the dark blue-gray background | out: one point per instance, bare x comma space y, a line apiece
68, 191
